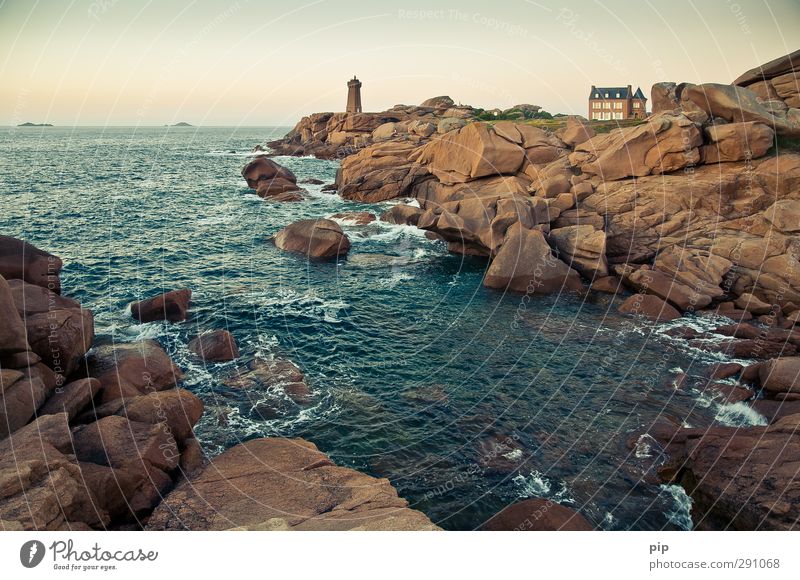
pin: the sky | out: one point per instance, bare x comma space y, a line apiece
248, 62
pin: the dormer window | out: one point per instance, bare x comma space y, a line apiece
606, 95
617, 95
597, 95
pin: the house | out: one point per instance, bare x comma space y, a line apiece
606, 103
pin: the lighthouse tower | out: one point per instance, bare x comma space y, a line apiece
354, 95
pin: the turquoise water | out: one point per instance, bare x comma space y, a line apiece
417, 370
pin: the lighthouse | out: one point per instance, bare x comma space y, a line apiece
354, 95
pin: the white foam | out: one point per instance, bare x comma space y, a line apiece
681, 513
739, 415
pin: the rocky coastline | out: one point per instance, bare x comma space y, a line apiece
694, 212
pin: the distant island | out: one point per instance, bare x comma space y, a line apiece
29, 124
181, 124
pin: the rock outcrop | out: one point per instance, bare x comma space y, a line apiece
171, 306
320, 239
537, 515
23, 261
271, 180
740, 479
215, 346
283, 484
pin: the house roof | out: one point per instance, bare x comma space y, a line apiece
612, 93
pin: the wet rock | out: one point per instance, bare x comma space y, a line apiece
741, 479
537, 515
260, 374
607, 284
321, 239
171, 306
402, 214
283, 484
359, 218
21, 260
729, 393
649, 306
269, 179
215, 346
780, 375
725, 370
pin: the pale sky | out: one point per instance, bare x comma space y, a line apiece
248, 62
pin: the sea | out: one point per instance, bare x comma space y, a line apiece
466, 399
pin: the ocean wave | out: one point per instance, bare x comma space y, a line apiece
536, 484
681, 512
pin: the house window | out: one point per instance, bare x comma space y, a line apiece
606, 95
597, 95
636, 104
618, 115
617, 95
618, 105
606, 105
595, 105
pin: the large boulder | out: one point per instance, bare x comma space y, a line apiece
663, 98
649, 306
781, 375
380, 172
774, 68
321, 239
402, 214
737, 141
474, 151
59, 331
738, 479
440, 102
537, 515
664, 143
478, 223
23, 392
171, 306
268, 178
41, 484
12, 331
271, 375
583, 248
24, 261
525, 263
577, 131
128, 370
215, 346
735, 105
283, 484
72, 398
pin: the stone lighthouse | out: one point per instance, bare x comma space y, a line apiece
354, 95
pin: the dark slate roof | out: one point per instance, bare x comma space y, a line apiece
612, 92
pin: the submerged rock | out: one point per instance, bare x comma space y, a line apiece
320, 238
537, 515
171, 306
215, 346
